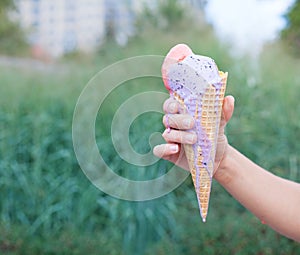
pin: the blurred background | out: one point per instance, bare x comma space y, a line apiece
49, 50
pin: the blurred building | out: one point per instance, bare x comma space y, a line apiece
61, 26
119, 19
56, 27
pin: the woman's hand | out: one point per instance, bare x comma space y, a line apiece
177, 133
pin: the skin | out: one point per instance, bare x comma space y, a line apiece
274, 200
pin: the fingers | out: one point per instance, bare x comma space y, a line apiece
227, 111
173, 153
174, 120
178, 121
228, 107
171, 106
178, 136
165, 150
185, 122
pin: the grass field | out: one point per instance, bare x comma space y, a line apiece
48, 206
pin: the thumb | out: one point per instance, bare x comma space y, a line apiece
227, 111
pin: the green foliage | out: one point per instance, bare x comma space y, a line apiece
48, 206
291, 34
12, 38
6, 4
171, 11
166, 15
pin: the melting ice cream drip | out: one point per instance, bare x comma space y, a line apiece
190, 78
193, 107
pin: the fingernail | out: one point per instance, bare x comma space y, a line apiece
190, 138
174, 148
172, 107
187, 123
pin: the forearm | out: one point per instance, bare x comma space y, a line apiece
273, 200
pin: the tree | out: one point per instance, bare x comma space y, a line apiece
168, 14
291, 34
12, 38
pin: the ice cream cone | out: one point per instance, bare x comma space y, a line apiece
199, 87
202, 169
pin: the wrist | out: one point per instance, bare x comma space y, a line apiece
223, 174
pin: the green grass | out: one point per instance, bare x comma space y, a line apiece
48, 206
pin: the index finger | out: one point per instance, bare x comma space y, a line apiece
171, 106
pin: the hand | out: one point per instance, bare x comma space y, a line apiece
178, 134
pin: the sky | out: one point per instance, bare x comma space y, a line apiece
247, 24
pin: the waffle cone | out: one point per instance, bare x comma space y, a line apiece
201, 155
